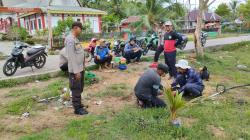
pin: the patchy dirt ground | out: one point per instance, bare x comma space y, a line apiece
53, 117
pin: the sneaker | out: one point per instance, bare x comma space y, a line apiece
81, 111
154, 65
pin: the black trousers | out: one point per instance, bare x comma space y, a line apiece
64, 67
106, 59
152, 101
133, 55
158, 52
170, 60
76, 87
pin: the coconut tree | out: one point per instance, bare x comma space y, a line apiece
233, 5
175, 102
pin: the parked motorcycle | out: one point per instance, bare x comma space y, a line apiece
204, 36
118, 48
149, 43
152, 43
183, 43
36, 56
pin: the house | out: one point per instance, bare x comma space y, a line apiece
47, 13
212, 21
124, 25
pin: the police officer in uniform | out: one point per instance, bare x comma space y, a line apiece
75, 54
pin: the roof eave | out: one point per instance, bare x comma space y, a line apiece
76, 12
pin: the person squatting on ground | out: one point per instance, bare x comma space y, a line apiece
149, 87
132, 50
188, 81
103, 55
75, 54
63, 60
170, 44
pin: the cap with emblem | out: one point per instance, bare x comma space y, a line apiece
168, 23
163, 67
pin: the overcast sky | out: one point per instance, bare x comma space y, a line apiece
212, 7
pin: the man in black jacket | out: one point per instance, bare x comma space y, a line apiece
170, 44
148, 87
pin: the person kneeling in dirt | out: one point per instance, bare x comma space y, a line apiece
63, 62
103, 55
149, 86
132, 50
188, 80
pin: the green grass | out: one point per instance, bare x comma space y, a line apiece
115, 90
135, 124
224, 62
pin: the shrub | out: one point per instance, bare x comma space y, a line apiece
16, 32
175, 102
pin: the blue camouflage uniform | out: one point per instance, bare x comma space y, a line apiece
189, 83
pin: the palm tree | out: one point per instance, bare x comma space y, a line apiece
1, 2
233, 5
154, 10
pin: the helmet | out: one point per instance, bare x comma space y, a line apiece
132, 39
94, 39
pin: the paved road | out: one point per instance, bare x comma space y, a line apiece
53, 60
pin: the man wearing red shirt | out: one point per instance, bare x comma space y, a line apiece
170, 44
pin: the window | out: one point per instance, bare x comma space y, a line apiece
31, 25
28, 25
39, 24
79, 20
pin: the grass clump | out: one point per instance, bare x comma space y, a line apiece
115, 90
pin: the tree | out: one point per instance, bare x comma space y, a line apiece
223, 10
1, 2
203, 5
244, 10
233, 5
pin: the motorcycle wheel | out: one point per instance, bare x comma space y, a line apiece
9, 67
40, 61
88, 56
144, 47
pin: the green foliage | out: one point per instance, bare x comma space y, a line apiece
16, 32
175, 102
244, 9
62, 26
30, 41
223, 10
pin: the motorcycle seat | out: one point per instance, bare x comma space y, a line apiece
34, 51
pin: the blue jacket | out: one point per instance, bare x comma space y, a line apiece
102, 52
191, 76
129, 47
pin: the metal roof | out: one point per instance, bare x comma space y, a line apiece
44, 5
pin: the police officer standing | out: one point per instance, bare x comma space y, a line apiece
75, 54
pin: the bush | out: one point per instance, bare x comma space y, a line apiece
16, 32
30, 41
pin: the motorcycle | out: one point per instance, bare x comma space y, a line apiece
36, 56
204, 36
118, 48
183, 44
148, 43
152, 43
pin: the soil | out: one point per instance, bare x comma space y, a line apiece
53, 117
218, 132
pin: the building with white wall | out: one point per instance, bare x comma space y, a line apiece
49, 12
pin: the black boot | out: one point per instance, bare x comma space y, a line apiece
81, 111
